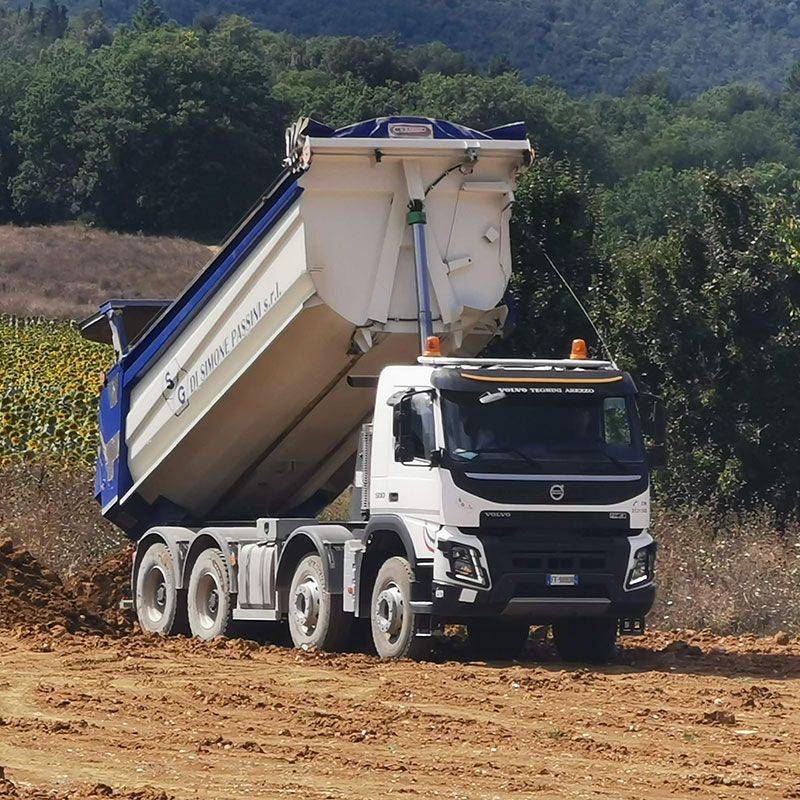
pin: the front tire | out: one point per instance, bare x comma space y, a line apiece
209, 601
316, 619
394, 624
497, 639
590, 641
158, 606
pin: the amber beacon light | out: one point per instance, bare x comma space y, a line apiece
432, 347
578, 349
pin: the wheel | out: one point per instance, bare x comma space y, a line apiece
393, 624
158, 602
589, 640
209, 600
497, 639
316, 619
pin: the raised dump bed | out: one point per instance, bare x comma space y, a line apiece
234, 403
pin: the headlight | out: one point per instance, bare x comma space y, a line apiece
461, 561
643, 569
465, 564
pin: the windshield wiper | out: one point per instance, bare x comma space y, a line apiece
613, 459
480, 451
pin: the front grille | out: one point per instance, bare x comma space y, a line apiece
531, 560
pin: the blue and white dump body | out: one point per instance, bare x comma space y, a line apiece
234, 403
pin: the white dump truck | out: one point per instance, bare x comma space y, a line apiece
333, 341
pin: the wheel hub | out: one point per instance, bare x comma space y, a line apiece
213, 603
161, 595
155, 594
389, 611
306, 603
208, 600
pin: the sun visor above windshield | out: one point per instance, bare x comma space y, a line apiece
538, 381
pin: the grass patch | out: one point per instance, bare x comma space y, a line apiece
66, 271
734, 574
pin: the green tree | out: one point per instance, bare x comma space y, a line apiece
553, 222
376, 61
148, 15
439, 58
592, 46
158, 132
14, 78
53, 21
45, 128
707, 316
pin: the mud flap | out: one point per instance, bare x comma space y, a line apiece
424, 620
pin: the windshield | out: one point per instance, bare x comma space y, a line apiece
578, 433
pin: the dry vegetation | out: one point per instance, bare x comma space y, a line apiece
733, 575
48, 507
67, 271
737, 575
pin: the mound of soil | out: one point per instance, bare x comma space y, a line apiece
32, 595
101, 587
8, 789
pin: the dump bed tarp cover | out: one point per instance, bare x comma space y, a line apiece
388, 127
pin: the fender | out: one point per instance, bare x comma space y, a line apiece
228, 541
395, 524
328, 541
358, 597
177, 541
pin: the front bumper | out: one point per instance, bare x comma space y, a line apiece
519, 565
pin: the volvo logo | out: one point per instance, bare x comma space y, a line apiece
557, 491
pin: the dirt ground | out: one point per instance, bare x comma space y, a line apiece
678, 715
90, 708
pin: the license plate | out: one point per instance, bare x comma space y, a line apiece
562, 580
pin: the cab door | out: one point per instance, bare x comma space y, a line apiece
411, 483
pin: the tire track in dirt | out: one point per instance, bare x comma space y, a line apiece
678, 715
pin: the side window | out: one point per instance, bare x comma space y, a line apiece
615, 420
414, 428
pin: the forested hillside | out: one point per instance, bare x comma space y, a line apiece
677, 220
583, 45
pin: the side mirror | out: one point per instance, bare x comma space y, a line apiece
397, 398
409, 445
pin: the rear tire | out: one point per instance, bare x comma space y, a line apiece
209, 601
590, 641
316, 618
394, 625
497, 639
159, 606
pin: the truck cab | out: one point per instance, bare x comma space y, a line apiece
524, 488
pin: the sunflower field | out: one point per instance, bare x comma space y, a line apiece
49, 388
